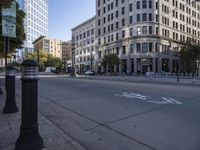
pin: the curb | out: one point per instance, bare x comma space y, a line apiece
74, 143
69, 139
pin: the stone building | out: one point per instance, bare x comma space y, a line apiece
83, 39
145, 34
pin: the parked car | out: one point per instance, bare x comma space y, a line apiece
90, 72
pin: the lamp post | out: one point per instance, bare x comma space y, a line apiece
73, 57
178, 71
91, 59
65, 66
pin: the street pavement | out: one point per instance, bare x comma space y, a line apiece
113, 115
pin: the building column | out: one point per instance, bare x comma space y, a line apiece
128, 65
154, 64
120, 68
159, 64
171, 65
135, 65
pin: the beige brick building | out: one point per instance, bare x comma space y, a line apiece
67, 54
51, 46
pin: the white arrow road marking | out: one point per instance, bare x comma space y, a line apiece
133, 95
174, 101
166, 101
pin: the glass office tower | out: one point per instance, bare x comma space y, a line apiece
35, 23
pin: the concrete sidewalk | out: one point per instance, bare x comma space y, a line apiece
144, 79
54, 138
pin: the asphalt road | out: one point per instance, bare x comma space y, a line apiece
111, 115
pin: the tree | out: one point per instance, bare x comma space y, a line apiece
42, 58
110, 61
189, 56
53, 62
46, 60
15, 43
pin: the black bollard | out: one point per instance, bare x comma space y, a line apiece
10, 106
29, 138
1, 91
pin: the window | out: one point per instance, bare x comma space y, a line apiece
157, 47
99, 22
92, 32
123, 22
131, 19
117, 14
123, 34
144, 47
144, 4
138, 30
116, 3
99, 3
144, 30
138, 17
117, 36
132, 48
131, 31
123, 10
150, 30
156, 5
117, 25
138, 46
150, 4
123, 49
138, 5
131, 7
150, 17
150, 47
144, 17
157, 19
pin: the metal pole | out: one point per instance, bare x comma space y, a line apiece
5, 55
6, 49
91, 60
178, 77
73, 58
65, 66
29, 138
10, 106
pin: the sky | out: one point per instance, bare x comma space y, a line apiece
67, 14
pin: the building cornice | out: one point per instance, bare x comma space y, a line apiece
85, 22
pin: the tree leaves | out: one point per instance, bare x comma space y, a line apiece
15, 43
189, 55
45, 60
111, 60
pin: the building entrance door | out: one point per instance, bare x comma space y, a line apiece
144, 69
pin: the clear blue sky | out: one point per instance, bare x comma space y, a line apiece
66, 14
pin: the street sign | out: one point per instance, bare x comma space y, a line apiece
9, 21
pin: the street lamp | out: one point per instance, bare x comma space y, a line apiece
73, 57
91, 59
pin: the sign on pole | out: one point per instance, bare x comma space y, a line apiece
9, 21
